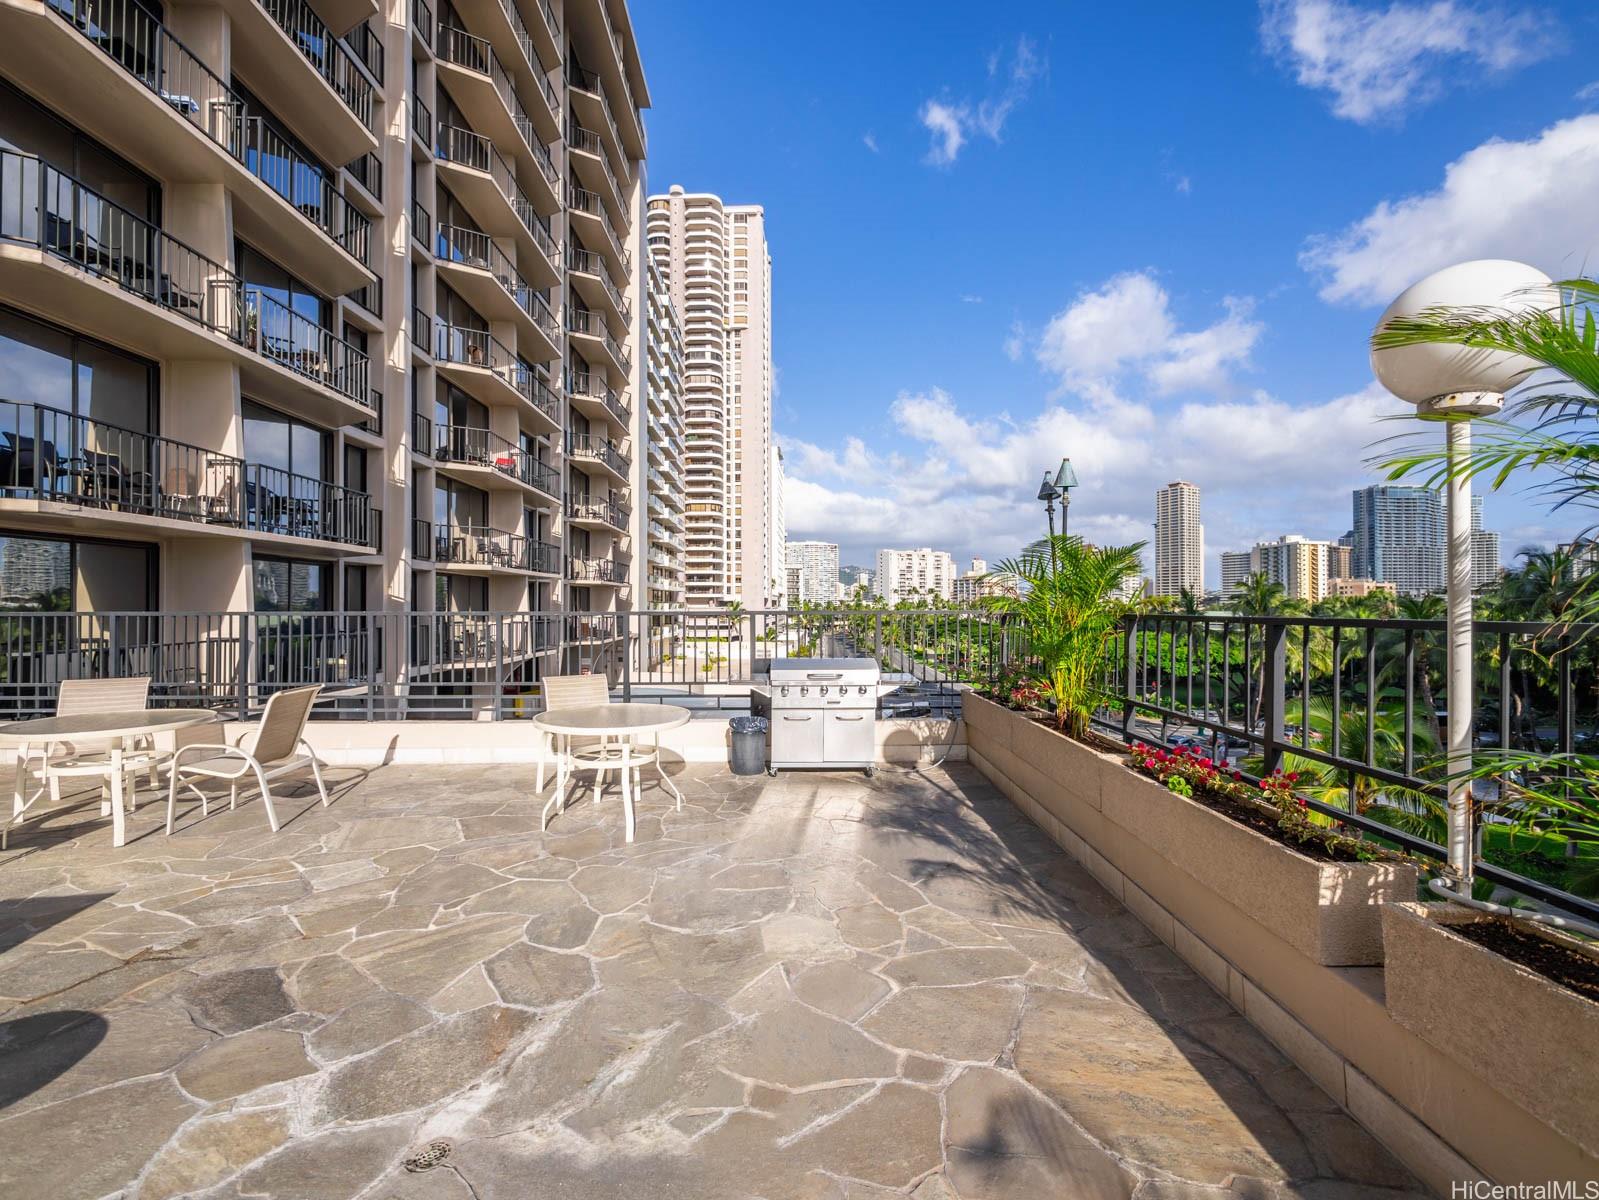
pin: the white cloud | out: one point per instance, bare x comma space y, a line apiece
966, 484
806, 458
1184, 185
1531, 201
1587, 93
1016, 341
952, 123
1127, 325
970, 298
869, 140
1380, 62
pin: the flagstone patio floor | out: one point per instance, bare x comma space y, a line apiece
817, 986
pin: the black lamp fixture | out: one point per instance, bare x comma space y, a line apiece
1065, 481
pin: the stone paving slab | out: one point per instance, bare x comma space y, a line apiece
817, 987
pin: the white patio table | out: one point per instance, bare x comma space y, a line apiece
622, 723
115, 728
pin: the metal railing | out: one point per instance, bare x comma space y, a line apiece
589, 263
47, 454
596, 570
330, 56
588, 323
421, 121
608, 511
473, 249
477, 447
131, 36
421, 331
277, 332
281, 502
367, 47
368, 172
481, 546
579, 199
474, 151
587, 448
422, 546
421, 225
43, 207
422, 20
587, 385
472, 53
1350, 704
586, 141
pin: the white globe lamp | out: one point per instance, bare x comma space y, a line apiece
1454, 383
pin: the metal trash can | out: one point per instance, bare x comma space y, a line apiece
749, 745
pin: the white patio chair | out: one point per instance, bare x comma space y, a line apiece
91, 757
277, 748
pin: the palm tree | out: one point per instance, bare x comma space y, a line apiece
1424, 608
1260, 596
1188, 603
1066, 599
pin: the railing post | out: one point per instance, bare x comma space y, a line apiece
623, 619
1129, 678
877, 637
242, 683
1274, 697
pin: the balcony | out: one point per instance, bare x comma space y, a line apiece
594, 340
422, 24
284, 50
486, 94
367, 170
421, 331
587, 214
586, 95
422, 543
586, 450
421, 226
484, 182
481, 366
593, 397
602, 571
485, 459
586, 513
591, 277
119, 74
80, 258
346, 16
484, 276
479, 547
53, 459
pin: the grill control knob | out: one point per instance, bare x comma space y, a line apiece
823, 689
784, 692
805, 691
862, 690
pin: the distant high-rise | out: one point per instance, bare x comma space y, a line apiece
660, 523
914, 574
817, 567
1179, 540
715, 258
1236, 568
1400, 538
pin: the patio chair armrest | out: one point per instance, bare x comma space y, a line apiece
213, 749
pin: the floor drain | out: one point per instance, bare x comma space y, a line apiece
428, 1157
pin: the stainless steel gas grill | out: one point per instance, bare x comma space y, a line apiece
823, 712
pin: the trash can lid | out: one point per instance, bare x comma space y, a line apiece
749, 724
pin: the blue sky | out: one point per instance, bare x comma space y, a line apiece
1154, 237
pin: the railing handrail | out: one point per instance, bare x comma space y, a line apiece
325, 357
332, 59
471, 149
477, 244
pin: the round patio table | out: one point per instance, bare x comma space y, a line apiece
115, 728
619, 723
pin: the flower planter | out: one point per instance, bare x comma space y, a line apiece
1328, 911
1523, 1035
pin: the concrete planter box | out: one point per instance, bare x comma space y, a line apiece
1529, 1039
1329, 912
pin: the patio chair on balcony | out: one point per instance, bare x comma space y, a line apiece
277, 748
90, 758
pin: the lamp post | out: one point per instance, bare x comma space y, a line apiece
1453, 383
1065, 481
1049, 493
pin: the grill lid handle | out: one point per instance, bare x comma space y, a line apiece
824, 675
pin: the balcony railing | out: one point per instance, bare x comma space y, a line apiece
293, 505
476, 152
587, 141
586, 384
421, 331
422, 121
588, 448
43, 207
367, 47
333, 60
277, 332
584, 201
47, 454
421, 224
368, 172
475, 54
473, 249
588, 81
608, 511
422, 546
586, 322
596, 570
586, 261
480, 546
474, 446
132, 38
422, 20
370, 298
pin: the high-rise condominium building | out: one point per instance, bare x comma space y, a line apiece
331, 307
976, 583
776, 528
716, 263
661, 522
1236, 568
914, 575
817, 564
1179, 540
1400, 538
1297, 564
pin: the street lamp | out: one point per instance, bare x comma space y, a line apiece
1049, 493
1453, 383
1065, 481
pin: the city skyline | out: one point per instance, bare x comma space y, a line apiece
1214, 327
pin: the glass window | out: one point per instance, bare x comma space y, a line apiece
30, 128
54, 368
40, 574
273, 439
260, 274
290, 585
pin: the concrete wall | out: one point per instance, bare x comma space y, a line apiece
1444, 1122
